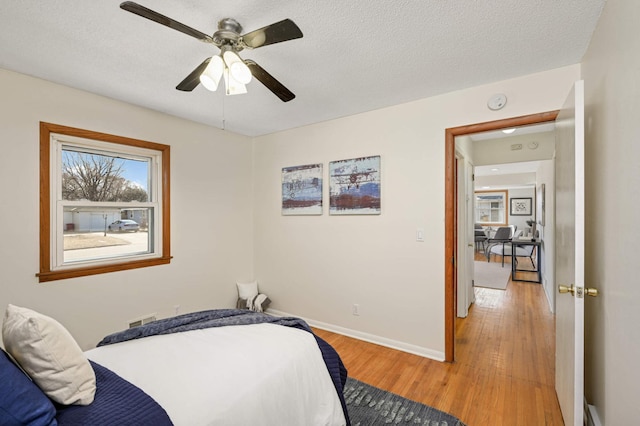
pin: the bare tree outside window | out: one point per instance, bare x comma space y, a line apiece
96, 177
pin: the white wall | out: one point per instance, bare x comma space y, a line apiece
317, 267
498, 151
505, 180
611, 70
546, 175
211, 212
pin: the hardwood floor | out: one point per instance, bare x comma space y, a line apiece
504, 368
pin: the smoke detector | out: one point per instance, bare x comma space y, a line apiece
497, 101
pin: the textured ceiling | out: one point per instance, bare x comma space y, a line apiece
355, 56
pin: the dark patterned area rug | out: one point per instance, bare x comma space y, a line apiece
370, 406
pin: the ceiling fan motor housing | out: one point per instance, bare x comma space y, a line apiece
228, 33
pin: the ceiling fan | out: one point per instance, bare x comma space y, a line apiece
228, 65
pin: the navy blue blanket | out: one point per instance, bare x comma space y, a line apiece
224, 317
200, 320
117, 402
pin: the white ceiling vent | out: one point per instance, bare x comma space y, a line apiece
142, 320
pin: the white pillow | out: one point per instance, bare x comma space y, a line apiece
49, 355
247, 290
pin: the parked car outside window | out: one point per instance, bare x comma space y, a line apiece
124, 225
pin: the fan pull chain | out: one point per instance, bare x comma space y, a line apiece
223, 116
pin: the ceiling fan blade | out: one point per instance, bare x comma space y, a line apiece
193, 79
274, 33
270, 82
139, 10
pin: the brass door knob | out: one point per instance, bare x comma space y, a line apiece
593, 292
565, 289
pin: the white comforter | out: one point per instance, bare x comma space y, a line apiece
262, 374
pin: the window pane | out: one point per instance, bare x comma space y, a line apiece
91, 233
490, 207
95, 176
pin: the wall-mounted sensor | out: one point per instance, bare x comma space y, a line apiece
497, 101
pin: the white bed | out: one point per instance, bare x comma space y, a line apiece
260, 374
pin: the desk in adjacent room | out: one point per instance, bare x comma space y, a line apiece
521, 242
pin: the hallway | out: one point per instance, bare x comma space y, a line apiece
504, 369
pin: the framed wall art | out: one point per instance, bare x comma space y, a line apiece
354, 186
521, 206
302, 190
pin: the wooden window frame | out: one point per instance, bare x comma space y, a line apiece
505, 208
46, 272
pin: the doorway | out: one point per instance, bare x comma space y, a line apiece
451, 237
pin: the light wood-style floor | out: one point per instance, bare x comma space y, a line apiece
504, 368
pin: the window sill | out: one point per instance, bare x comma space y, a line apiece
46, 276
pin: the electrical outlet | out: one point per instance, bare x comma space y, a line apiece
355, 309
516, 147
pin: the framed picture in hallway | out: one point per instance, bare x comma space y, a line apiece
521, 206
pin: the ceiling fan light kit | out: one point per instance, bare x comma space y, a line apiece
237, 73
233, 87
237, 69
212, 74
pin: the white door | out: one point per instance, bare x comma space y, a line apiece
465, 238
569, 256
471, 233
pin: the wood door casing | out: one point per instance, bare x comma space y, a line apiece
450, 209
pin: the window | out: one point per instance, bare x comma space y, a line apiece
104, 203
490, 208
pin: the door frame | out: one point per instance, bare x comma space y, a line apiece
450, 234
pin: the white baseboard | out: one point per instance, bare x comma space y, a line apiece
546, 293
591, 415
371, 338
